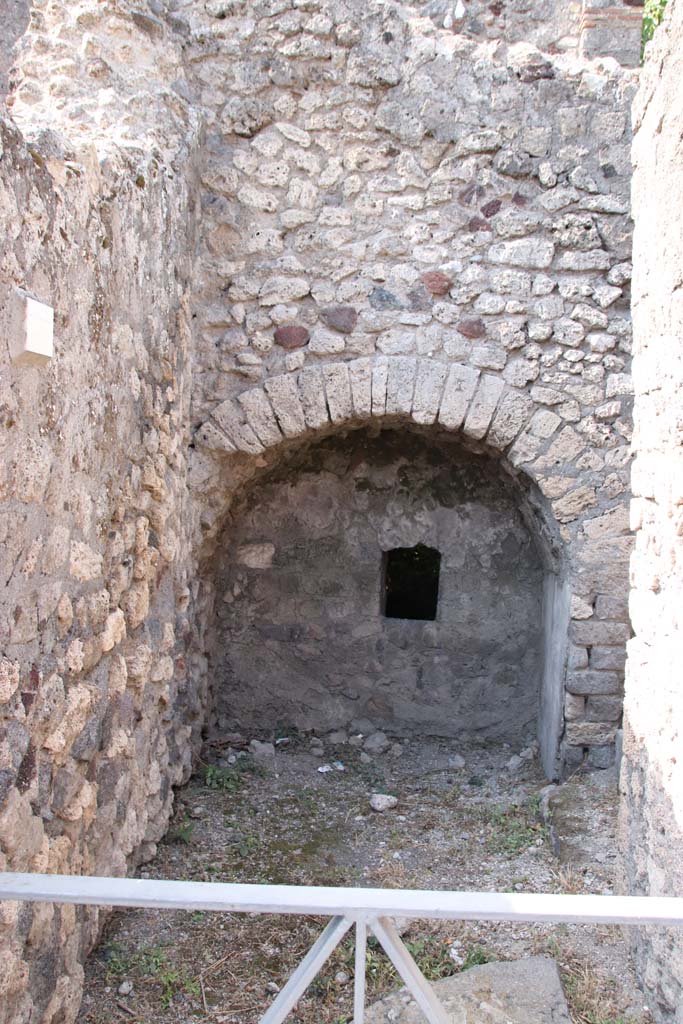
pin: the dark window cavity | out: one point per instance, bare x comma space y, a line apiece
410, 588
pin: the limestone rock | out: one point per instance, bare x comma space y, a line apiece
517, 992
381, 802
378, 743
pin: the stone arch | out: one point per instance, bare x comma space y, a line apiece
479, 405
251, 432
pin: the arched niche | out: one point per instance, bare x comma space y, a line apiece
298, 559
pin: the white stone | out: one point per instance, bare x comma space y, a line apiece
31, 330
381, 802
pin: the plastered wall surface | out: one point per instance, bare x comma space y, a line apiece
304, 634
652, 779
259, 226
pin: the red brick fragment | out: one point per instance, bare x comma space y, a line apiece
291, 337
491, 208
437, 283
340, 318
473, 328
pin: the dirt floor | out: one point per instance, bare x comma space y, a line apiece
466, 818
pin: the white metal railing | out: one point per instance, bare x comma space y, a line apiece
370, 910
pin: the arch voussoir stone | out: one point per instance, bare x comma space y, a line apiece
456, 396
312, 397
260, 416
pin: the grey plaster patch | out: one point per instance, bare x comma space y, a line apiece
306, 640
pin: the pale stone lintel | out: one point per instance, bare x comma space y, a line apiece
284, 397
483, 406
360, 377
431, 377
458, 392
338, 391
260, 416
312, 396
401, 385
230, 418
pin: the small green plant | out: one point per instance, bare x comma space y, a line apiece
181, 832
475, 957
228, 779
231, 778
513, 829
117, 960
653, 13
246, 845
172, 981
432, 955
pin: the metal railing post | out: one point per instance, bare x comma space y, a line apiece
359, 977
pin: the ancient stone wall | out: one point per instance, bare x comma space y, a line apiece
258, 225
305, 634
399, 220
652, 775
98, 704
14, 15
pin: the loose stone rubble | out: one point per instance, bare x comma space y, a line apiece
260, 225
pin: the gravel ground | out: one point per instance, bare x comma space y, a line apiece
466, 818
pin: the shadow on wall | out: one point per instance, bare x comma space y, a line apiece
650, 787
14, 16
304, 637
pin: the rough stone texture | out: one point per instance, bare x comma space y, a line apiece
97, 712
180, 182
488, 245
14, 15
652, 773
518, 992
305, 640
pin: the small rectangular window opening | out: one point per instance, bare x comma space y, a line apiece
410, 587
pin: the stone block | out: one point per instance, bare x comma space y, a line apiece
604, 708
380, 376
312, 396
429, 384
360, 377
483, 406
586, 734
593, 633
230, 418
589, 682
608, 658
400, 385
338, 392
284, 397
260, 416
517, 992
529, 253
459, 390
210, 437
512, 414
